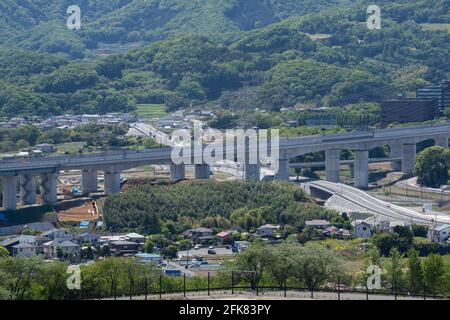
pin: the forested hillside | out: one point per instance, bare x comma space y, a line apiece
40, 24
328, 58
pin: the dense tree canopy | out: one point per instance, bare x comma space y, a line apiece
328, 58
242, 204
431, 167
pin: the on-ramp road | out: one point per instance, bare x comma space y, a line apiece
382, 208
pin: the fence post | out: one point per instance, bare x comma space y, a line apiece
209, 285
160, 286
367, 292
99, 292
424, 290
339, 288
131, 291
184, 285
395, 288
145, 287
312, 293
232, 282
115, 291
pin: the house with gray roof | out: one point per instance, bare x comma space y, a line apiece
25, 250
440, 233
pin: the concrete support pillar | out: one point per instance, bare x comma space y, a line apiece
89, 180
202, 171
409, 158
252, 172
441, 141
361, 169
9, 193
49, 189
283, 170
177, 172
332, 165
112, 182
351, 169
396, 152
27, 189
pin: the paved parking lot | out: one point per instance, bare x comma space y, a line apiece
203, 252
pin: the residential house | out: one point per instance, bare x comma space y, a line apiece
49, 249
362, 229
60, 234
440, 233
65, 247
25, 250
123, 247
199, 235
89, 237
318, 224
267, 231
69, 248
135, 237
225, 237
9, 244
335, 232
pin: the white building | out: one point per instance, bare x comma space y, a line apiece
135, 237
69, 248
440, 233
60, 234
24, 250
362, 229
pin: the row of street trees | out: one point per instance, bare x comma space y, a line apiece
288, 265
415, 276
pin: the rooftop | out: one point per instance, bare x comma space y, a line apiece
317, 223
23, 246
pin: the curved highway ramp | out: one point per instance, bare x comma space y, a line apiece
378, 207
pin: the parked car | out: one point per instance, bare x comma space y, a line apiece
211, 251
197, 247
211, 248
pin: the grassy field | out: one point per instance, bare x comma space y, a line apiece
71, 147
151, 110
318, 36
435, 26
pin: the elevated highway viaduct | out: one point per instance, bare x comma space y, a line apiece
402, 142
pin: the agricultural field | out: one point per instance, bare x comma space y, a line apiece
319, 36
151, 110
70, 147
435, 26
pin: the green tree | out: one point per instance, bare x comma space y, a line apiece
372, 258
51, 281
433, 269
149, 246
315, 265
394, 268
431, 166
415, 272
22, 274
252, 263
170, 251
22, 144
3, 252
283, 262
